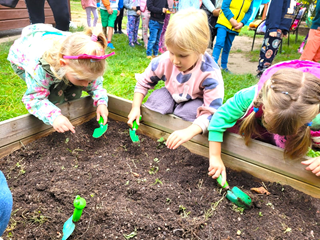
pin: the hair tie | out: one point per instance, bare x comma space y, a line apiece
255, 109
286, 93
94, 38
309, 124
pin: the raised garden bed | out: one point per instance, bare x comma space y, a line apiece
146, 191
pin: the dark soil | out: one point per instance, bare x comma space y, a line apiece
141, 192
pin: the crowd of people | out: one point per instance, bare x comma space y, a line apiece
281, 109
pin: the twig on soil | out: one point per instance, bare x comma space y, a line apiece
86, 229
22, 144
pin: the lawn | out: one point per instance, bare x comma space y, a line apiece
119, 78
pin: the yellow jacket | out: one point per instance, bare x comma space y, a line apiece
237, 9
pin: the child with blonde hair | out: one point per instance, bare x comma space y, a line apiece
281, 109
193, 82
56, 67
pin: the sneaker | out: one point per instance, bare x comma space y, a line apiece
226, 70
120, 32
116, 32
150, 57
110, 45
137, 43
131, 44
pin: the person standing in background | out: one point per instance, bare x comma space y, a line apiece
90, 6
145, 17
109, 12
212, 11
60, 9
118, 22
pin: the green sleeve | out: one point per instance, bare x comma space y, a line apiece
316, 123
230, 112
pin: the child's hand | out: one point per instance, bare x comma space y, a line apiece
110, 11
62, 124
313, 165
239, 26
139, 12
233, 22
216, 12
164, 10
178, 137
102, 111
118, 13
134, 115
217, 168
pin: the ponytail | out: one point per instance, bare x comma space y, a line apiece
100, 38
296, 146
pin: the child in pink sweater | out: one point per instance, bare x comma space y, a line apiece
90, 6
193, 83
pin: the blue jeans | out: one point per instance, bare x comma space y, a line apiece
155, 29
224, 40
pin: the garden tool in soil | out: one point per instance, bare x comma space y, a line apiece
134, 137
98, 132
235, 195
79, 204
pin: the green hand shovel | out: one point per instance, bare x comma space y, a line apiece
68, 227
236, 196
98, 132
134, 137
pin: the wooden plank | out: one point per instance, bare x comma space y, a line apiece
9, 14
22, 4
234, 163
12, 24
21, 127
7, 149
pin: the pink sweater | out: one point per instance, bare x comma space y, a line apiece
203, 81
88, 3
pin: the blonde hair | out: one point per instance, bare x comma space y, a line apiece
188, 29
73, 45
290, 99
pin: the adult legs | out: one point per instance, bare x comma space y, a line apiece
226, 50
61, 14
36, 11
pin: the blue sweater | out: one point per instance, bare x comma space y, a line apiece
5, 203
316, 20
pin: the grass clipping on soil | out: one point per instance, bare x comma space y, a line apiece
141, 191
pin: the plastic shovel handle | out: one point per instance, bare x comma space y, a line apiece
135, 125
79, 204
219, 180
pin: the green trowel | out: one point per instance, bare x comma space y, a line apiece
235, 195
79, 204
134, 137
98, 132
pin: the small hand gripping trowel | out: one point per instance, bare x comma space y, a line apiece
235, 195
98, 132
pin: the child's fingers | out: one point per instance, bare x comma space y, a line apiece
224, 178
316, 171
307, 162
98, 116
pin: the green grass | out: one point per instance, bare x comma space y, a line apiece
119, 78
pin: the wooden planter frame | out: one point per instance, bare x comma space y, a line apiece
261, 160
